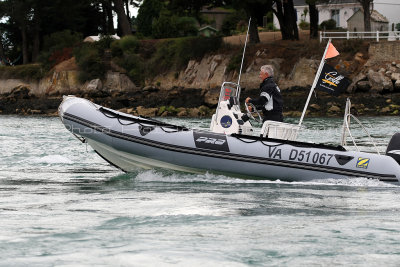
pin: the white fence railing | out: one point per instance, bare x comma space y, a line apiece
388, 35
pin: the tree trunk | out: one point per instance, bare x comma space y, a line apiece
290, 18
366, 5
123, 22
367, 18
108, 24
110, 19
279, 14
36, 38
25, 53
313, 21
2, 55
253, 32
286, 15
127, 9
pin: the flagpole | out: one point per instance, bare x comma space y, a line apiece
321, 65
244, 51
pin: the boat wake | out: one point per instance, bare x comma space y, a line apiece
167, 176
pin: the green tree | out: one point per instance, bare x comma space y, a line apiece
231, 21
165, 26
26, 22
170, 26
148, 11
255, 9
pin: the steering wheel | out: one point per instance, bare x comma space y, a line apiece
255, 111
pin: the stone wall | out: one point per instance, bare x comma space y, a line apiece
67, 82
384, 51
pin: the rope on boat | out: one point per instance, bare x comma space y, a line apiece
254, 141
141, 121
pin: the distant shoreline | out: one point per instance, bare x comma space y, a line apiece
165, 104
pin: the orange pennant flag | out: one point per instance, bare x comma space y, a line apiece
332, 52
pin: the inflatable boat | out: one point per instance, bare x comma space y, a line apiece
232, 146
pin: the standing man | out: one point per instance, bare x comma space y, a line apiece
270, 99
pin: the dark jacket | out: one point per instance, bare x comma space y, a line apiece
270, 100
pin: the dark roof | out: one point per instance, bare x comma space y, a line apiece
325, 2
208, 27
375, 16
299, 3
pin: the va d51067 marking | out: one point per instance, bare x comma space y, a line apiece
317, 158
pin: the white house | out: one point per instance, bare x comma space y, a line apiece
378, 22
96, 38
338, 10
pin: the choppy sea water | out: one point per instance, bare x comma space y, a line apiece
62, 205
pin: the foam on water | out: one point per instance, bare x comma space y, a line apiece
51, 159
179, 177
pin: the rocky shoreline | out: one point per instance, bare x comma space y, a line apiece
194, 90
184, 102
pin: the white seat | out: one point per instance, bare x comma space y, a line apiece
280, 130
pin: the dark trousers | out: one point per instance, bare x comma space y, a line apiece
273, 116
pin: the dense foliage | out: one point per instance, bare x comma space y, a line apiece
51, 31
132, 55
26, 25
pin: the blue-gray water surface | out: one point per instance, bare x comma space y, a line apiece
62, 205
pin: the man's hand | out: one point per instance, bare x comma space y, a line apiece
248, 106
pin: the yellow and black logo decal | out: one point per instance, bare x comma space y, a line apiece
362, 163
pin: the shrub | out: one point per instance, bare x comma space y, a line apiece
270, 26
187, 26
57, 47
175, 53
234, 63
165, 26
26, 72
134, 66
59, 40
59, 56
173, 26
351, 46
304, 25
328, 24
129, 44
90, 63
104, 42
229, 25
116, 49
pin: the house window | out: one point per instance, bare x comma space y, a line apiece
335, 16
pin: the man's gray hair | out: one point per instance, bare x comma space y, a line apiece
268, 69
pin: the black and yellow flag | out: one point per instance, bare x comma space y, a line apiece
331, 81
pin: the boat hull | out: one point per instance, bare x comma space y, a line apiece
129, 142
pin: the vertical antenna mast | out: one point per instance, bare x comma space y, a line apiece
244, 51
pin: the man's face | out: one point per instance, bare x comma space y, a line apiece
263, 75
